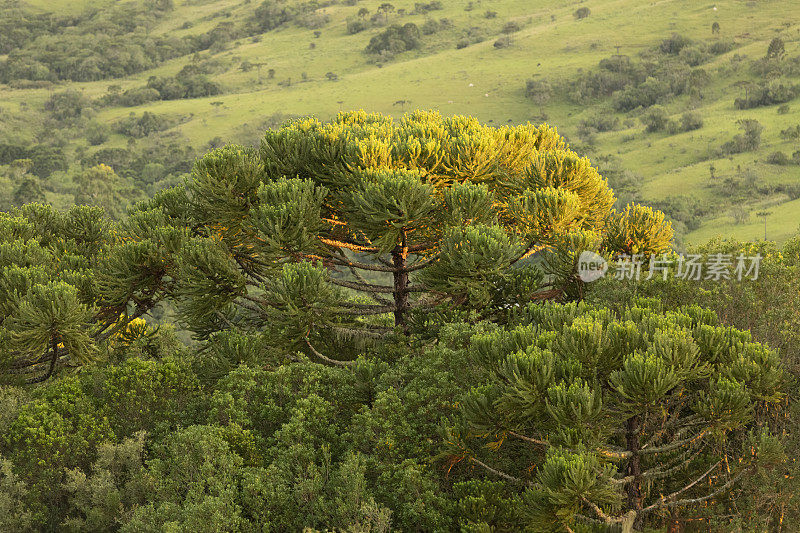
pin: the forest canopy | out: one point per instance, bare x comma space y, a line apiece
388, 332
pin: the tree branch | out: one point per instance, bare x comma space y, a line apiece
663, 501
499, 473
327, 359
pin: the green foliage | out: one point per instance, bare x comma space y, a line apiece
100, 186
106, 497
395, 39
581, 407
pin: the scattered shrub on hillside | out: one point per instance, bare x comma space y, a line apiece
97, 133
421, 8
186, 84
270, 15
766, 93
429, 27
792, 132
691, 120
356, 26
776, 49
395, 39
777, 158
674, 44
132, 97
144, 125
747, 141
581, 13
538, 90
600, 121
686, 211
655, 119
66, 105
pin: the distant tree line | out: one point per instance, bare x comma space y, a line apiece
107, 43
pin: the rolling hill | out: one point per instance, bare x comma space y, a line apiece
292, 59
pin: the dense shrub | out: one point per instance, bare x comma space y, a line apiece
768, 93
395, 39
777, 158
655, 119
747, 141
142, 126
581, 13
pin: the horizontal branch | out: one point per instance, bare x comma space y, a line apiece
328, 359
369, 287
368, 309
499, 473
664, 500
422, 264
674, 445
606, 452
353, 264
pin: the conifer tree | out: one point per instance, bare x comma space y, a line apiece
620, 418
411, 215
57, 306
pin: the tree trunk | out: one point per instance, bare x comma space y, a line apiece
634, 469
399, 261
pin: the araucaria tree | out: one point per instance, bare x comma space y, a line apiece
629, 419
55, 304
332, 228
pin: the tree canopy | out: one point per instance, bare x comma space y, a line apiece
326, 227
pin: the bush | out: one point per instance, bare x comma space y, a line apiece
691, 120
97, 133
429, 27
655, 119
766, 93
777, 158
147, 124
395, 39
356, 26
674, 44
425, 7
749, 140
646, 94
581, 13
66, 105
538, 90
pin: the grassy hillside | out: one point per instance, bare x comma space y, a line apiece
473, 63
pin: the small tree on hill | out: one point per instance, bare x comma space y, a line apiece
776, 49
334, 228
581, 13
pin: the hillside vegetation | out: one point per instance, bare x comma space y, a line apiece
654, 91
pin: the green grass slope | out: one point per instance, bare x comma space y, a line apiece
486, 82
